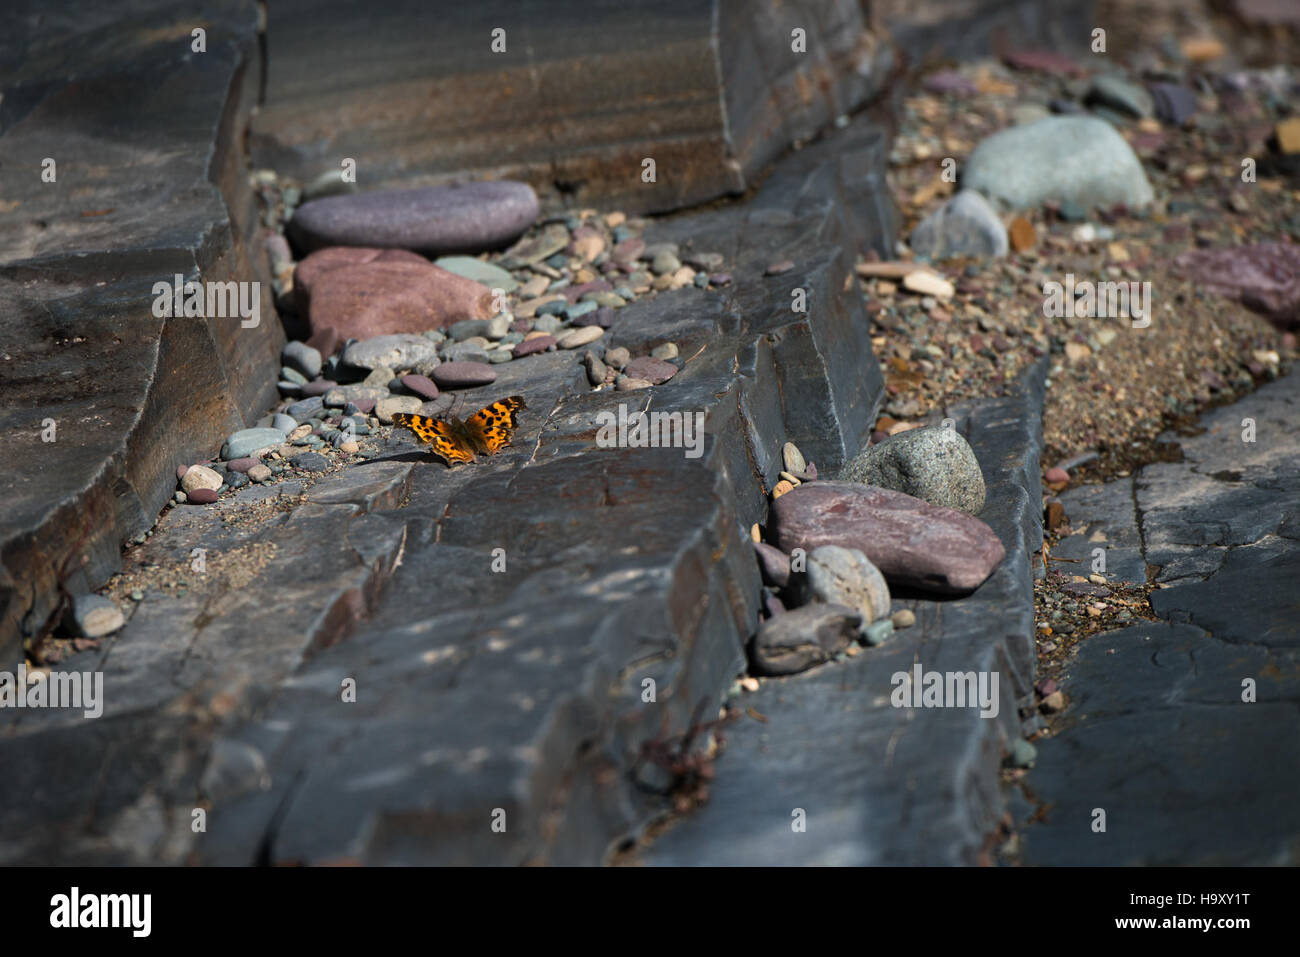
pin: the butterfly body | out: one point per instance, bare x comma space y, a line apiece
486, 432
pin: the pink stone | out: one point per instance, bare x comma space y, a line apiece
913, 543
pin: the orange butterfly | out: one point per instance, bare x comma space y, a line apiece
486, 432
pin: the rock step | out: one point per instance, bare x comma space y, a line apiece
130, 395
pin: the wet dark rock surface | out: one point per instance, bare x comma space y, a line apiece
1158, 733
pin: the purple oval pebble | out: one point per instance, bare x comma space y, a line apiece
463, 375
242, 465
533, 346
468, 218
201, 496
421, 385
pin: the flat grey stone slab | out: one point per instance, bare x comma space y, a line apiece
1158, 738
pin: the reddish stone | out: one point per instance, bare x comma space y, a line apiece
574, 293
652, 370
1056, 475
318, 387
1043, 61
532, 346
385, 297
1264, 277
912, 542
335, 257
242, 465
202, 496
628, 251
325, 340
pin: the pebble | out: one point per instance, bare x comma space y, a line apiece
617, 358
200, 476
911, 542
439, 219
243, 465
629, 384
94, 616
665, 352
247, 441
284, 423
385, 408
310, 462
302, 357
463, 375
773, 565
489, 274
421, 385
845, 576
793, 458
777, 268
580, 337
1079, 159
1119, 94
654, 371
928, 284
201, 496
596, 369
1056, 475
259, 473
966, 225
1053, 703
665, 262
318, 388
789, 643
878, 632
363, 294
903, 618
534, 249
469, 351
533, 345
293, 377
400, 351
934, 464
339, 397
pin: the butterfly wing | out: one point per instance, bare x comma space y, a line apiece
444, 437
490, 428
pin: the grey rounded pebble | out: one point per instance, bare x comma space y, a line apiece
966, 225
303, 358
934, 464
1077, 159
285, 423
845, 576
